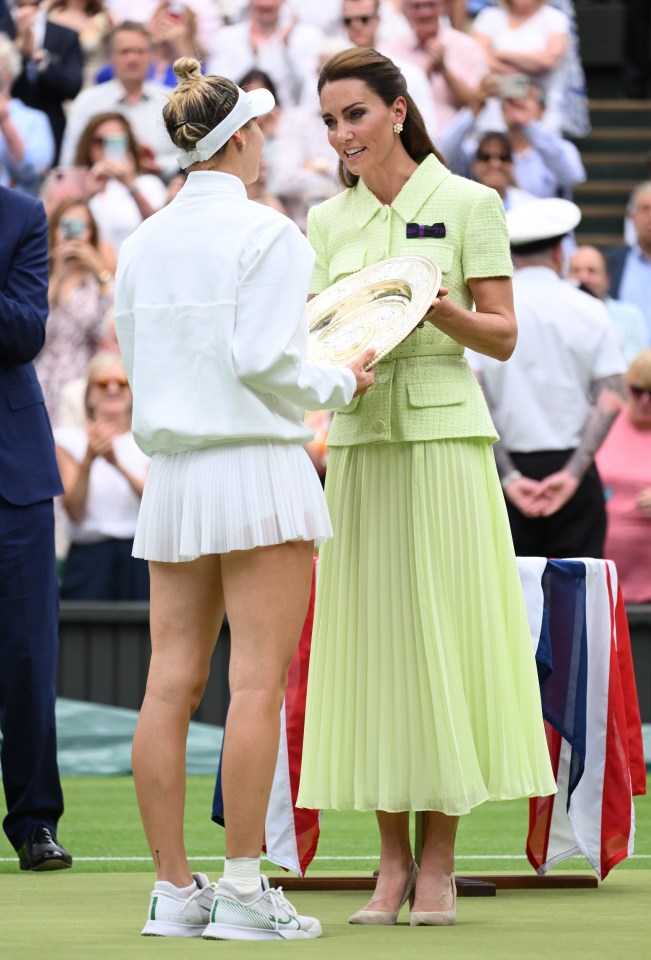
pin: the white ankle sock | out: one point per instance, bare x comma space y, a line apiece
243, 873
166, 887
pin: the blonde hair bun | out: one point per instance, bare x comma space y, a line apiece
187, 69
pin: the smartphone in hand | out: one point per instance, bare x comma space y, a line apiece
512, 86
115, 147
72, 227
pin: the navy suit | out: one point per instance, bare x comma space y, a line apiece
29, 479
60, 80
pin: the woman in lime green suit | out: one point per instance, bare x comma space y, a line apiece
423, 693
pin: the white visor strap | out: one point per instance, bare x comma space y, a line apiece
247, 106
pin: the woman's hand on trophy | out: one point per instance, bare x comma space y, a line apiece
365, 378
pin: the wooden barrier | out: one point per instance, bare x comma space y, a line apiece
104, 657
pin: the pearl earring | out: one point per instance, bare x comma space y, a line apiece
397, 127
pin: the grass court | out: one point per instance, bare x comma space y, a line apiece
96, 910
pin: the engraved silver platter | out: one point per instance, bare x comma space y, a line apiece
378, 306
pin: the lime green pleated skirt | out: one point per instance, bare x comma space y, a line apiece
423, 692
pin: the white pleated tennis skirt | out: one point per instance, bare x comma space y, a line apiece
234, 496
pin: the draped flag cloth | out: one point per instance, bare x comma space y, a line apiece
582, 647
592, 719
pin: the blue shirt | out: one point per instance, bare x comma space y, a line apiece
36, 133
635, 286
168, 79
631, 326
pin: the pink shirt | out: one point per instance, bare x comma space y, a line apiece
464, 57
624, 462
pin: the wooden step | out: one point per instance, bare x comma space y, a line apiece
606, 186
601, 240
620, 167
603, 209
639, 150
608, 227
619, 133
623, 105
635, 153
613, 157
608, 113
587, 194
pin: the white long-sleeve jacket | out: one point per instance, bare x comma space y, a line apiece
210, 318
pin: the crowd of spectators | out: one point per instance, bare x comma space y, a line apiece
82, 84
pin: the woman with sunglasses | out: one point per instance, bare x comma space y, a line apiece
80, 296
121, 193
493, 166
103, 474
624, 463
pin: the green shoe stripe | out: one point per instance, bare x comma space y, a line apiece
229, 910
152, 912
287, 921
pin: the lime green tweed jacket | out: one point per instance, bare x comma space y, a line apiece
424, 389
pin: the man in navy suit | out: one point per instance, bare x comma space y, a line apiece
29, 479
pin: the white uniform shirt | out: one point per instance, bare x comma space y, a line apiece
210, 316
541, 396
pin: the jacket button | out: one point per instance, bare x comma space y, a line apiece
379, 426
381, 377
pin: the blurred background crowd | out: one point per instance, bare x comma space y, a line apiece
502, 89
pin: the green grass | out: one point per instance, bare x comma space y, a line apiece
96, 910
70, 916
101, 821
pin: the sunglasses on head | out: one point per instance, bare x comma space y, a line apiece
104, 382
639, 392
487, 157
366, 19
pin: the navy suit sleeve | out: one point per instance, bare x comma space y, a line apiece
23, 300
64, 72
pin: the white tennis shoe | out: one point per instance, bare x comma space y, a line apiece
173, 916
265, 915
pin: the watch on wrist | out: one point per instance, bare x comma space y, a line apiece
510, 478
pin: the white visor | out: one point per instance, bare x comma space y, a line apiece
248, 105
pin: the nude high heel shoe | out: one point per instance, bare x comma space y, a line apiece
436, 918
389, 917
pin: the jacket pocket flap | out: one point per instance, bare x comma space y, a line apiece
345, 262
352, 406
434, 250
436, 394
26, 396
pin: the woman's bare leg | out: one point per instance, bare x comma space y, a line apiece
434, 884
187, 610
267, 593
